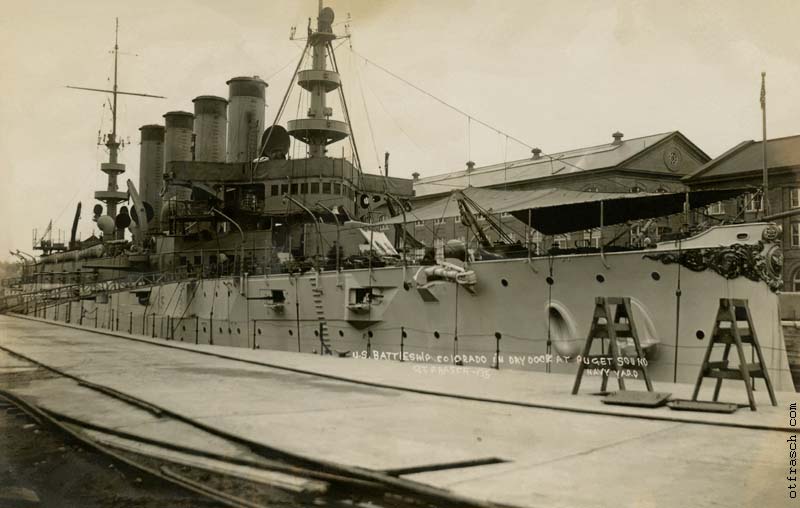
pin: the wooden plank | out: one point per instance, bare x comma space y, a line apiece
703, 406
637, 399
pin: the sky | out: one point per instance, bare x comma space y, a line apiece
554, 74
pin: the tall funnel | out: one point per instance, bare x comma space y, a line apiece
151, 165
210, 125
178, 145
246, 117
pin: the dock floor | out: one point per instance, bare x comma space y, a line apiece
558, 450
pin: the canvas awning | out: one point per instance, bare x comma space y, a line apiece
557, 211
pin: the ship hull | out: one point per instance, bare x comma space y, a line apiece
516, 307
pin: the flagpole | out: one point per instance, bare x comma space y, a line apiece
765, 198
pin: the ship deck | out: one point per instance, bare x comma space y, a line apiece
556, 449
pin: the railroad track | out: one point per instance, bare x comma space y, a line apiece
260, 476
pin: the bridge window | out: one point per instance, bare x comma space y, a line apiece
303, 188
314, 188
275, 190
284, 188
337, 188
326, 187
294, 188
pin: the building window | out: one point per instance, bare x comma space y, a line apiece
752, 202
795, 234
437, 222
419, 223
591, 188
794, 197
796, 281
637, 188
716, 208
592, 237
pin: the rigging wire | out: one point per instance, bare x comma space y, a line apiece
369, 122
470, 117
391, 117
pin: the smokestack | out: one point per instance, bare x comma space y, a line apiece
386, 163
246, 105
151, 166
178, 146
210, 128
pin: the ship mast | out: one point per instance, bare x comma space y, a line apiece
318, 130
112, 196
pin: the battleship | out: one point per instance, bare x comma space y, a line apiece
228, 240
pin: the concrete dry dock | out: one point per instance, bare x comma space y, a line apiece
567, 457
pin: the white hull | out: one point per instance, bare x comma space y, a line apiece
218, 311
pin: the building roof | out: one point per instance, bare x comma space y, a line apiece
572, 161
747, 156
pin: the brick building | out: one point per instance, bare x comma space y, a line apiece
742, 166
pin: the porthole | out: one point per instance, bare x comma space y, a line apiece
259, 331
316, 333
600, 278
238, 331
220, 329
184, 328
504, 282
498, 335
655, 276
341, 333
436, 334
204, 329
406, 286
291, 332
370, 334
550, 280
700, 335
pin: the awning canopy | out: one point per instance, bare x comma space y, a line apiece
556, 211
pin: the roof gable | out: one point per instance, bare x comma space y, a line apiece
747, 157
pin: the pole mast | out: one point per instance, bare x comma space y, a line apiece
765, 184
112, 140
112, 196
